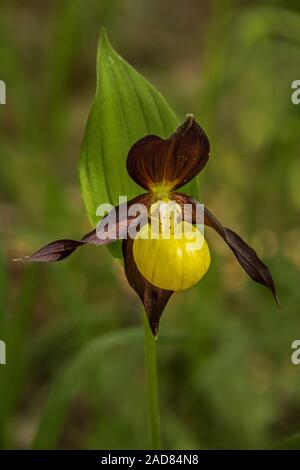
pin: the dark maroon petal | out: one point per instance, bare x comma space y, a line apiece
113, 227
245, 255
54, 251
153, 298
172, 162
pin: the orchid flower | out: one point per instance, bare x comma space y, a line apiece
156, 267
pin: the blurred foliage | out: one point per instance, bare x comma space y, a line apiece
74, 374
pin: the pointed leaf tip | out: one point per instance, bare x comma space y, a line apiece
103, 38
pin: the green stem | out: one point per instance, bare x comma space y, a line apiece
152, 386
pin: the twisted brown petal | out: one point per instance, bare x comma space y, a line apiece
111, 228
54, 251
245, 255
153, 298
155, 162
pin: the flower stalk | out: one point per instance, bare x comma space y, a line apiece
152, 385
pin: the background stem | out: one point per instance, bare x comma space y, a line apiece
152, 385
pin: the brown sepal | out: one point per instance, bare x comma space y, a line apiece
111, 228
153, 298
153, 161
245, 255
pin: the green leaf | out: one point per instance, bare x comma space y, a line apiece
72, 379
126, 107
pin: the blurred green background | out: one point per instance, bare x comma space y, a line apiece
74, 376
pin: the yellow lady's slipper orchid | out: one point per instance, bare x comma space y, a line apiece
157, 266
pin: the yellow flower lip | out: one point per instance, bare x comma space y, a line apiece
174, 263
